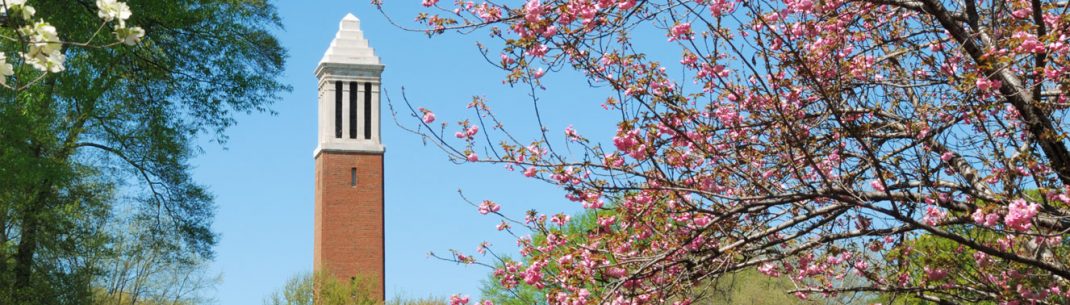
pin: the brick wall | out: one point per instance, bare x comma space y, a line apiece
349, 220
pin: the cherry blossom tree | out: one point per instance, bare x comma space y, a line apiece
917, 144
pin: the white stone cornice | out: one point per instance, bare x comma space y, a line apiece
361, 148
329, 71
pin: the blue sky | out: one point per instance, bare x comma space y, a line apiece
263, 177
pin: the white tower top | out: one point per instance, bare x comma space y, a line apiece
349, 79
349, 45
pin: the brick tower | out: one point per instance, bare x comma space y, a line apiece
349, 160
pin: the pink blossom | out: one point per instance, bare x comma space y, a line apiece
616, 272
769, 269
549, 31
981, 258
506, 60
533, 275
984, 84
978, 216
946, 156
571, 132
877, 185
861, 265
593, 204
529, 172
680, 31
461, 258
429, 116
472, 157
1020, 215
539, 73
935, 274
472, 130
488, 12
719, 8
1022, 13
988, 220
560, 219
458, 300
538, 50
533, 11
689, 59
1030, 44
606, 222
488, 207
933, 215
801, 5
991, 219
502, 226
429, 3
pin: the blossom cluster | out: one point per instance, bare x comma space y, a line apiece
44, 50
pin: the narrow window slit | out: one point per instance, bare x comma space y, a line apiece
367, 111
353, 110
353, 177
338, 109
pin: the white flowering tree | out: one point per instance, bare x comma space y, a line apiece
100, 105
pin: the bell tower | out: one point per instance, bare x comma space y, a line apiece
349, 160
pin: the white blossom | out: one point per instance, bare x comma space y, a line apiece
27, 12
45, 47
19, 7
44, 50
113, 10
11, 4
130, 36
5, 69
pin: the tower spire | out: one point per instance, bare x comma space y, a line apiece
349, 77
349, 160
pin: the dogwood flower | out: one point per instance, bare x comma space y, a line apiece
45, 47
11, 4
129, 36
5, 69
18, 7
113, 10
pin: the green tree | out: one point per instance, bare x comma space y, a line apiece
324, 289
135, 270
112, 134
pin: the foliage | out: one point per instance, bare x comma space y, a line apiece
137, 270
819, 137
298, 291
107, 138
324, 289
429, 300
